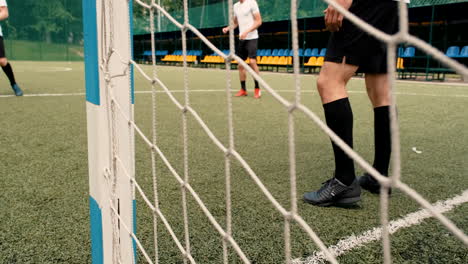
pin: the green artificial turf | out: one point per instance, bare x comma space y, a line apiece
44, 176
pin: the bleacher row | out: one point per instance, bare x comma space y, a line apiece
312, 57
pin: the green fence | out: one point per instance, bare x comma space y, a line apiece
49, 30
216, 14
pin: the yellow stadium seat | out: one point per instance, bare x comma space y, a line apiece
320, 61
312, 62
275, 61
400, 65
282, 61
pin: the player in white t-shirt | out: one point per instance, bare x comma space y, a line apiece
247, 17
3, 60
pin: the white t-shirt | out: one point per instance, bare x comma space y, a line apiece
407, 1
2, 3
244, 12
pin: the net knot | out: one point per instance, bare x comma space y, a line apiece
288, 216
184, 109
292, 108
227, 153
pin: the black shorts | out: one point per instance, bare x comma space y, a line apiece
2, 48
358, 47
247, 49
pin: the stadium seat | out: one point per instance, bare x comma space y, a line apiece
320, 61
323, 52
453, 52
267, 52
409, 52
464, 52
315, 52
401, 51
400, 65
308, 53
275, 53
157, 53
312, 62
281, 52
301, 52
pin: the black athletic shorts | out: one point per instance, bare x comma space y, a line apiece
358, 47
2, 48
247, 49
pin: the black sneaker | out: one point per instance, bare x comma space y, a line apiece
370, 184
333, 192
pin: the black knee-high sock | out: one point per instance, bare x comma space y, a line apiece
339, 117
243, 85
9, 73
383, 139
256, 84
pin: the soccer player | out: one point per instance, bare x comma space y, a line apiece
3, 60
351, 50
247, 17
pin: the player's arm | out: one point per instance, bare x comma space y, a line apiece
257, 23
3, 13
333, 19
234, 25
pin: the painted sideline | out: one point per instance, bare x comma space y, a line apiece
353, 241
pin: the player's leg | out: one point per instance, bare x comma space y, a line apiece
343, 187
252, 46
331, 85
378, 91
242, 52
8, 70
385, 18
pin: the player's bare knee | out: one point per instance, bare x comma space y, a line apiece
3, 62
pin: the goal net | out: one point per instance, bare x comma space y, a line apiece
112, 130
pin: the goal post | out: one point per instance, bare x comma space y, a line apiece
109, 96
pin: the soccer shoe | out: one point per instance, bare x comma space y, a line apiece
334, 192
241, 93
17, 90
370, 184
257, 93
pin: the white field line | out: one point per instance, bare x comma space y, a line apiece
445, 83
353, 241
222, 91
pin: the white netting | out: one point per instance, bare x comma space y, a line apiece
290, 215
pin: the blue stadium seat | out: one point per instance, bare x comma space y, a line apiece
157, 53
291, 53
260, 52
308, 53
453, 52
274, 53
401, 51
323, 52
281, 52
301, 52
409, 52
315, 52
464, 52
267, 52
